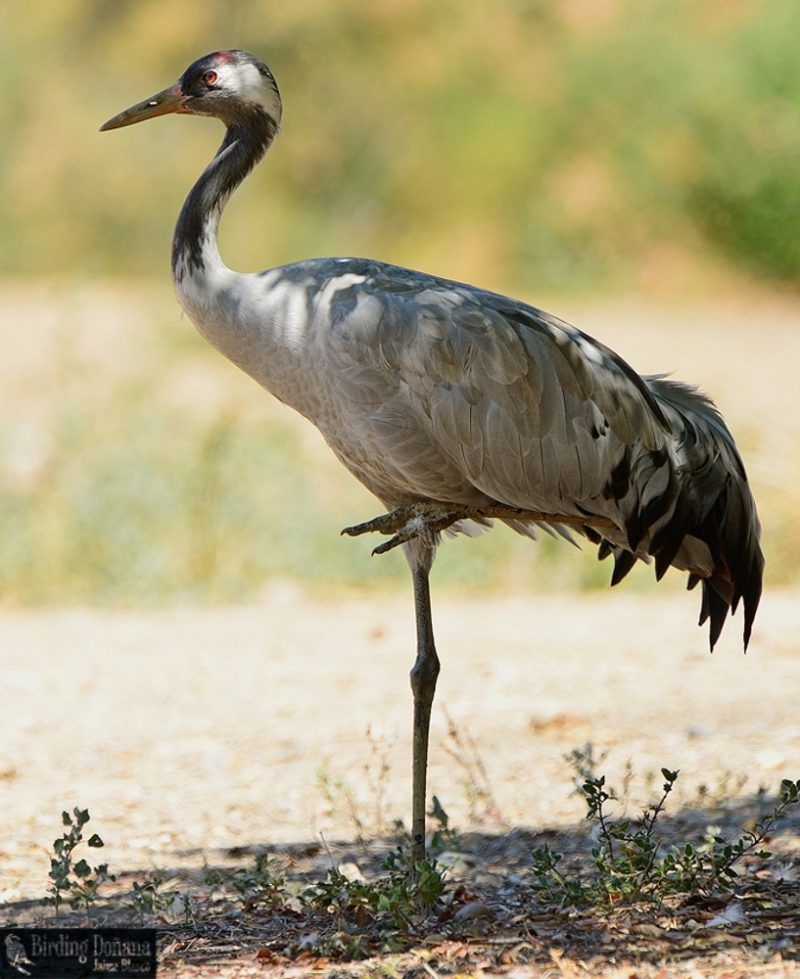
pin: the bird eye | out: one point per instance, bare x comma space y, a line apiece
210, 77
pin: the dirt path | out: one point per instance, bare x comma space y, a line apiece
188, 732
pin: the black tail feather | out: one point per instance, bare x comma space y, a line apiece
714, 508
623, 562
702, 519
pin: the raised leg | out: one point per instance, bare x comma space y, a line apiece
423, 521
423, 685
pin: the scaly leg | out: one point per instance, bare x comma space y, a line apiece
423, 686
410, 521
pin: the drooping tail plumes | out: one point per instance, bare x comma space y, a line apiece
708, 523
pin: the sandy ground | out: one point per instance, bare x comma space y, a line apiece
184, 732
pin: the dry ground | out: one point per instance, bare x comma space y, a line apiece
191, 733
197, 736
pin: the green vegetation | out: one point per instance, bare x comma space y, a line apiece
619, 863
76, 880
528, 144
399, 896
148, 900
390, 902
631, 864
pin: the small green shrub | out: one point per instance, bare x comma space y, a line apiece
403, 894
148, 900
629, 864
76, 880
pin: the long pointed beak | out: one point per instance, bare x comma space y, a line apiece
172, 99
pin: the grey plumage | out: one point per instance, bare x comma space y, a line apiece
431, 389
455, 405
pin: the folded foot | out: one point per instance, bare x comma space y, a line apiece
423, 520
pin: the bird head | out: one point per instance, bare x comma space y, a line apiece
230, 85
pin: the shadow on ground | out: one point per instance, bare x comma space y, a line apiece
335, 905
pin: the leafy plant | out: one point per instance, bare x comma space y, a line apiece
423, 885
553, 886
628, 864
148, 900
712, 864
76, 880
401, 895
262, 882
627, 853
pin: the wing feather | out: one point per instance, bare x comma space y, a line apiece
451, 393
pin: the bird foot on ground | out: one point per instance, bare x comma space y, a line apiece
422, 520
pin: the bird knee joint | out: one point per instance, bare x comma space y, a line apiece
424, 674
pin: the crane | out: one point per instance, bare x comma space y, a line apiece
456, 406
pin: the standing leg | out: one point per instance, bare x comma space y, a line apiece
423, 686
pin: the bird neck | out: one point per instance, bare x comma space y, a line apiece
194, 245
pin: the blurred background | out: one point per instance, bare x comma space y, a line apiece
631, 166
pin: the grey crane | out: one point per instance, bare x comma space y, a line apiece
455, 405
